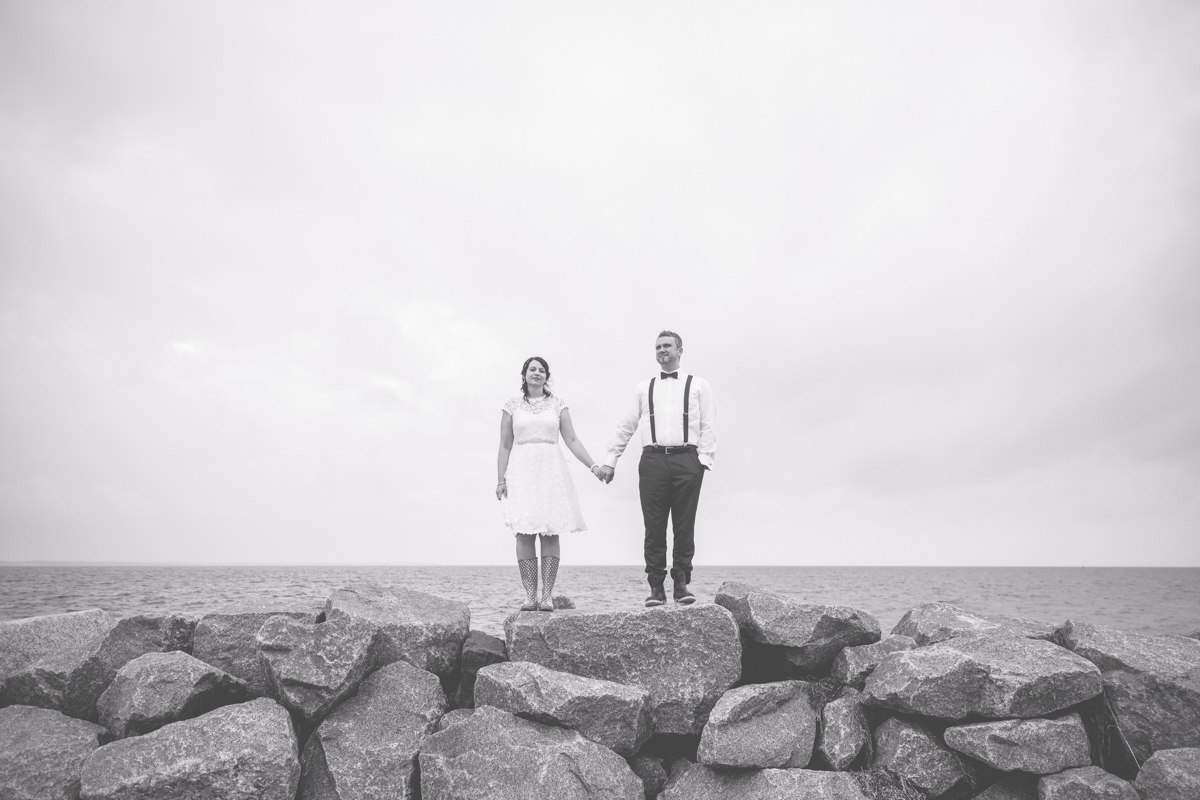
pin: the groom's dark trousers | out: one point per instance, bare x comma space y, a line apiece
669, 481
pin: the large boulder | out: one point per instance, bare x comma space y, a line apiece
1170, 775
157, 689
228, 639
26, 641
1152, 683
1009, 789
311, 667
913, 752
761, 725
684, 656
784, 637
931, 623
993, 676
853, 664
500, 756
146, 633
479, 650
42, 753
844, 731
1040, 746
690, 781
1085, 783
608, 713
245, 751
367, 747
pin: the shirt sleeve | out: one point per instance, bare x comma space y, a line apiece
706, 448
625, 429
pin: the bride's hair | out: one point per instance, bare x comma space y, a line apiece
525, 366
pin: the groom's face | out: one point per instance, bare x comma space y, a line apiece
666, 351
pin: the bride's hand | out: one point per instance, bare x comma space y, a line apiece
501, 490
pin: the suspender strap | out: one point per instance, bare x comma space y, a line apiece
687, 393
653, 436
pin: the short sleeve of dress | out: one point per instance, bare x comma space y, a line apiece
511, 405
560, 404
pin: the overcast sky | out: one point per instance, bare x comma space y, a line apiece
268, 272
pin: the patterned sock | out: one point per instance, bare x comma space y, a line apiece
529, 577
549, 573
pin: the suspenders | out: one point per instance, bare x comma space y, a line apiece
687, 394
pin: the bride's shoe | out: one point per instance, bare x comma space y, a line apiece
529, 579
549, 574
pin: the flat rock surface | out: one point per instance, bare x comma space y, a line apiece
499, 756
1039, 746
843, 731
157, 689
1170, 775
1006, 789
42, 753
24, 641
367, 748
311, 667
914, 753
479, 650
853, 664
1151, 682
690, 781
239, 752
684, 656
761, 725
1085, 783
228, 639
146, 633
930, 623
993, 676
612, 714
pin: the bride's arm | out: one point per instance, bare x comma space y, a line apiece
572, 441
506, 443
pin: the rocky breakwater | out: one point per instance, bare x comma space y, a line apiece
385, 693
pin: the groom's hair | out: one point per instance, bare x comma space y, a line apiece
678, 338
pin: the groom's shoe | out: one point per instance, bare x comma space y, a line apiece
658, 595
680, 590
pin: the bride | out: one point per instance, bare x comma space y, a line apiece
534, 486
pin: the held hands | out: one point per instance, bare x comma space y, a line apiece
605, 474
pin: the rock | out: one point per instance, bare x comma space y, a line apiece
1194, 634
478, 651
241, 751
42, 753
608, 713
1085, 783
993, 676
26, 641
1009, 789
684, 656
561, 602
843, 731
146, 633
227, 639
54, 662
156, 689
451, 717
912, 752
853, 664
423, 629
496, 755
931, 623
367, 748
652, 771
1039, 746
1152, 683
761, 725
1170, 775
690, 781
805, 636
311, 667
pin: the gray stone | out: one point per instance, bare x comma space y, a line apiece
684, 656
311, 667
1170, 775
1009, 789
478, 651
608, 713
228, 639
805, 635
499, 756
912, 752
245, 751
561, 602
146, 633
42, 753
1152, 683
157, 689
423, 629
853, 664
1085, 783
992, 676
690, 781
450, 717
26, 641
931, 623
367, 748
765, 725
1039, 746
652, 771
844, 731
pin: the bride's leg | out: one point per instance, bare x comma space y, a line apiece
527, 563
550, 552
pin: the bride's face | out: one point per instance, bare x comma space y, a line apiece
535, 374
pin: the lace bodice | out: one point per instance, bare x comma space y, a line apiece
535, 421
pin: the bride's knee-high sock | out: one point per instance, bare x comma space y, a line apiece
529, 579
549, 574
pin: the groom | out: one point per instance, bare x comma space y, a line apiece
676, 414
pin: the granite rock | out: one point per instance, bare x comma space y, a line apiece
238, 752
500, 756
690, 781
26, 641
652, 771
55, 662
853, 664
1039, 746
311, 667
1170, 775
1085, 783
157, 689
228, 639
608, 713
931, 623
912, 752
684, 656
366, 749
42, 753
844, 731
1009, 789
478, 651
146, 633
764, 725
450, 717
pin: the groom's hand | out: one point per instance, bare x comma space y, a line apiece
606, 474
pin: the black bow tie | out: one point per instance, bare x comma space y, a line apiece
666, 375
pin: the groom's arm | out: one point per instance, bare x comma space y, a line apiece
625, 430
706, 448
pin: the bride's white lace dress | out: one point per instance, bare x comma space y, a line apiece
541, 495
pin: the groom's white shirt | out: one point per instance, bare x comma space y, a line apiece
668, 418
